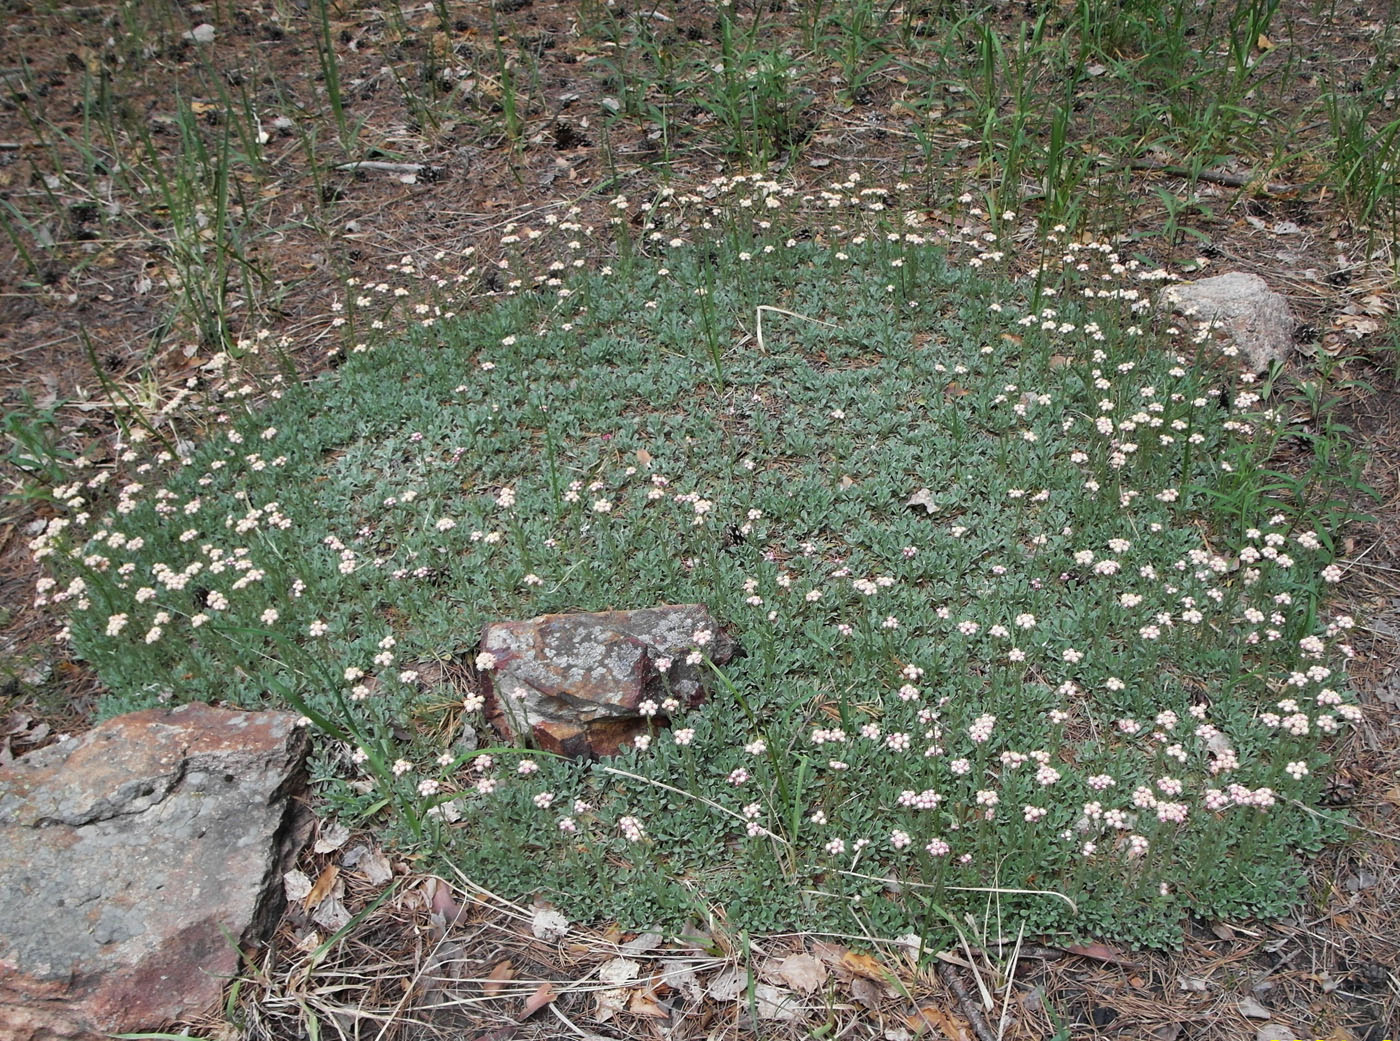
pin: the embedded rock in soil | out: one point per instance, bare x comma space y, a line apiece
133, 859
574, 681
1241, 311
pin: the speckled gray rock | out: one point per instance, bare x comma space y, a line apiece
129, 857
574, 682
1242, 313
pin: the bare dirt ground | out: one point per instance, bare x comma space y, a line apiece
93, 279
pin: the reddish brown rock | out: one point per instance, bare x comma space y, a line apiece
574, 682
130, 857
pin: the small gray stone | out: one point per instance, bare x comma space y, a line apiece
1243, 314
201, 34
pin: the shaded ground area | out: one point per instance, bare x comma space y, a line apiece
164, 199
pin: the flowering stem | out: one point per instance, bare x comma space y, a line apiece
551, 454
688, 758
707, 319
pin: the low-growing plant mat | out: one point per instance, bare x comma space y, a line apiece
1025, 612
163, 198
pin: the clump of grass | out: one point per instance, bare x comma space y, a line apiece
1090, 666
1363, 165
32, 443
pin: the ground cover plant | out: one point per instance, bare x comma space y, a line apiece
1026, 612
187, 191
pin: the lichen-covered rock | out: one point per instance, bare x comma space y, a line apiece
133, 860
1241, 312
574, 682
